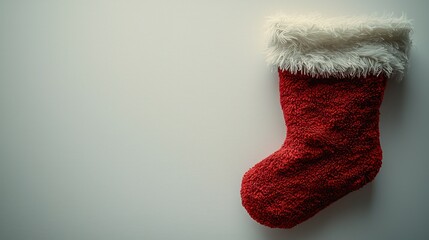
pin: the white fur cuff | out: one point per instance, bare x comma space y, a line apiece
339, 47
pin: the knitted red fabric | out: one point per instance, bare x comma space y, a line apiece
332, 148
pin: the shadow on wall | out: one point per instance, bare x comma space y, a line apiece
394, 101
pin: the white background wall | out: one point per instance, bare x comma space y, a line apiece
136, 120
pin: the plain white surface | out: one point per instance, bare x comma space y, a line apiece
137, 119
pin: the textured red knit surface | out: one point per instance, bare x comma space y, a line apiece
332, 148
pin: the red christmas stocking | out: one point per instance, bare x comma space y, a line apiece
332, 75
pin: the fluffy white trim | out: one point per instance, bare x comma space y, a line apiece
339, 47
